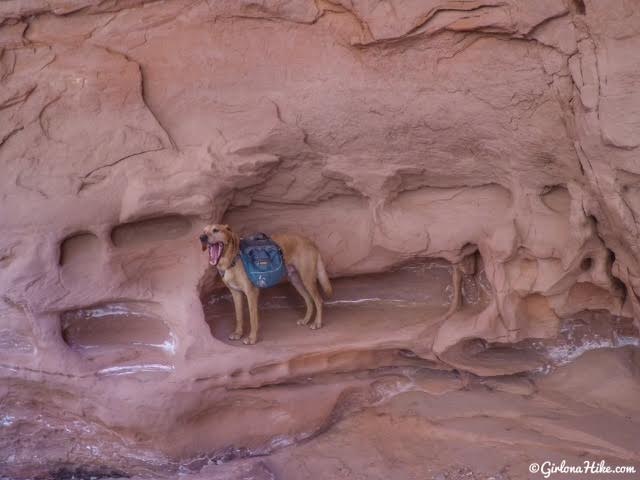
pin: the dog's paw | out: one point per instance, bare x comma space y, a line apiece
315, 326
249, 341
235, 336
302, 321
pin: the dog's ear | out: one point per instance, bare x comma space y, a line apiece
234, 241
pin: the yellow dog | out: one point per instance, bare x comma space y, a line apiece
304, 268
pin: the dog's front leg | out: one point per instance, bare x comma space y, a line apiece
252, 298
237, 303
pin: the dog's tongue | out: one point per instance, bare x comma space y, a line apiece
215, 251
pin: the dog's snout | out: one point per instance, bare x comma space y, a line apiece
203, 237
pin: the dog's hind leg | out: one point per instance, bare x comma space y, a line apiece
252, 299
296, 281
309, 281
237, 303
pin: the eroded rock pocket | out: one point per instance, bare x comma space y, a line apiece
391, 306
585, 331
119, 337
79, 249
169, 227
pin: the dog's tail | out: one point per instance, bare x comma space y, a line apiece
323, 278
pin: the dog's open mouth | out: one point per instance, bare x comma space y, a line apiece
215, 252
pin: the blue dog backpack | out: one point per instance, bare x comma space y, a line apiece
263, 260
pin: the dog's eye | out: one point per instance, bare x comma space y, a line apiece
215, 230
